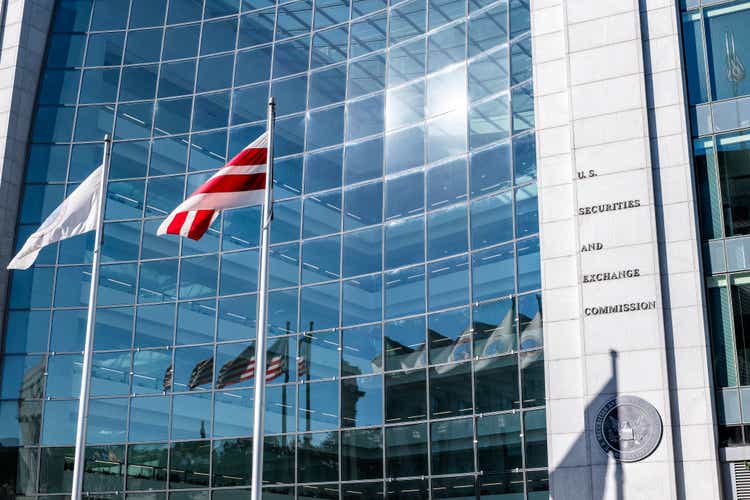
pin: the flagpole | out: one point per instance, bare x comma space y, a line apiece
83, 402
259, 399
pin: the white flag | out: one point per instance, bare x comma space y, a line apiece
77, 214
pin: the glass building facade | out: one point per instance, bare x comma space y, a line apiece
405, 350
716, 43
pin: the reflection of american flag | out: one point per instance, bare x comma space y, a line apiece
168, 377
242, 367
301, 366
202, 373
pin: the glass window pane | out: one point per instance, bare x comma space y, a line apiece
193, 368
318, 355
365, 117
493, 273
236, 318
449, 336
110, 374
147, 467
489, 121
367, 35
406, 450
405, 396
56, 469
181, 42
362, 252
291, 95
366, 75
181, 11
68, 330
452, 449
17, 369
291, 57
532, 377
529, 265
447, 232
325, 128
329, 47
330, 12
494, 326
253, 66
176, 78
317, 456
489, 74
215, 73
232, 462
282, 312
535, 437
520, 61
362, 299
218, 36
105, 49
488, 29
492, 220
318, 406
189, 464
726, 39
320, 306
450, 392
404, 242
362, 205
363, 161
405, 149
281, 411
149, 421
322, 214
191, 416
107, 421
361, 454
361, 350
491, 395
294, 19
447, 47
26, 331
404, 292
499, 443
405, 106
59, 427
362, 401
323, 170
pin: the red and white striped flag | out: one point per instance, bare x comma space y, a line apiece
240, 183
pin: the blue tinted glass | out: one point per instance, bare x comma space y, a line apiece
493, 273
318, 406
31, 288
294, 19
362, 205
105, 49
154, 325
138, 82
365, 117
488, 74
256, 4
39, 201
218, 36
319, 306
99, 85
445, 11
59, 87
330, 12
124, 199
494, 328
361, 405
158, 281
488, 29
290, 136
239, 271
73, 15
114, 328
405, 345
362, 7
290, 94
236, 318
53, 124
407, 20
527, 211
286, 223
143, 46
128, 159
322, 214
404, 292
490, 170
164, 193
446, 184
406, 62
211, 111
283, 266
227, 405
318, 354
695, 59
132, 122
173, 117
241, 228
362, 252
17, 369
176, 78
361, 300
214, 73
361, 350
256, 29
287, 177
280, 411
70, 286
321, 259
520, 61
110, 373
522, 101
448, 283
149, 419
47, 163
249, 104
405, 149
195, 322
404, 195
145, 13
63, 374
206, 151
524, 158
218, 8
181, 11
529, 273
368, 35
323, 170
447, 47
327, 86
404, 242
180, 42
282, 312
152, 371
198, 276
253, 66
190, 415
363, 161
109, 15
449, 334
328, 47
59, 422
446, 136
26, 331
489, 121
520, 18
366, 75
325, 128
447, 232
492, 220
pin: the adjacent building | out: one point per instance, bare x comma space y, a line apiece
507, 262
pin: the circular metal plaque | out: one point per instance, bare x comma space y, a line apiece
629, 428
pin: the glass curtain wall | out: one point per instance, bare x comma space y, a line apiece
405, 351
715, 46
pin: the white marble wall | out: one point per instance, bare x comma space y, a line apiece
24, 30
611, 128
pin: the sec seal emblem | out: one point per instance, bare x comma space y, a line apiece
629, 428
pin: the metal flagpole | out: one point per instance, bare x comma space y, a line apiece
259, 399
83, 403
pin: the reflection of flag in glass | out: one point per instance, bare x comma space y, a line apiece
201, 374
168, 378
460, 350
503, 337
242, 367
